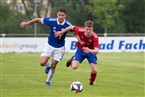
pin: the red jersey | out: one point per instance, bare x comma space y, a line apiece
90, 42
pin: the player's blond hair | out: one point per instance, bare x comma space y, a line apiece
89, 24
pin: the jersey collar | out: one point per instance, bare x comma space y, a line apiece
61, 23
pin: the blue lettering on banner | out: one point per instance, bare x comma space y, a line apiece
108, 46
73, 45
129, 46
123, 45
141, 45
102, 46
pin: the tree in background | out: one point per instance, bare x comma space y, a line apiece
106, 14
75, 10
10, 20
118, 16
114, 16
134, 15
44, 8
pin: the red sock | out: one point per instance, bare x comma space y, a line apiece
92, 77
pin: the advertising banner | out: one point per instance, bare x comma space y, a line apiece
106, 44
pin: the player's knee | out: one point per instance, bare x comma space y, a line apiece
74, 67
42, 63
94, 71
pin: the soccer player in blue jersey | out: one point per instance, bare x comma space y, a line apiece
55, 47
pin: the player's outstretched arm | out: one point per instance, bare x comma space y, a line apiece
59, 33
24, 24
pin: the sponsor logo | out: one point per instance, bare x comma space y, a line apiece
19, 46
120, 45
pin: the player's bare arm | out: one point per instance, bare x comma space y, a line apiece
95, 51
79, 40
24, 24
59, 33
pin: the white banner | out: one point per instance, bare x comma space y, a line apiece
106, 44
22, 44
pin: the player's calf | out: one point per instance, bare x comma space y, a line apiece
92, 78
68, 63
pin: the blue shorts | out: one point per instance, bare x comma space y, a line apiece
80, 55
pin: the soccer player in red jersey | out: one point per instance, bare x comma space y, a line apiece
87, 47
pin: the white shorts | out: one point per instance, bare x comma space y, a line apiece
55, 53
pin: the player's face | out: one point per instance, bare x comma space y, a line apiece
61, 16
88, 31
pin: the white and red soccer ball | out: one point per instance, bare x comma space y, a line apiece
76, 87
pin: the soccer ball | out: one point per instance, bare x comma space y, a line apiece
76, 87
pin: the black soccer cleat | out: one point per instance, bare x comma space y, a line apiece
91, 84
68, 63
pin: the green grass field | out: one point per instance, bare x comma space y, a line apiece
119, 75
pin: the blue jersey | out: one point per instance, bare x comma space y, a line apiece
54, 27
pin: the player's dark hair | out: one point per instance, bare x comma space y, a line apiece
89, 24
62, 10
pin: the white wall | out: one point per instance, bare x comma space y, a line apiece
107, 44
